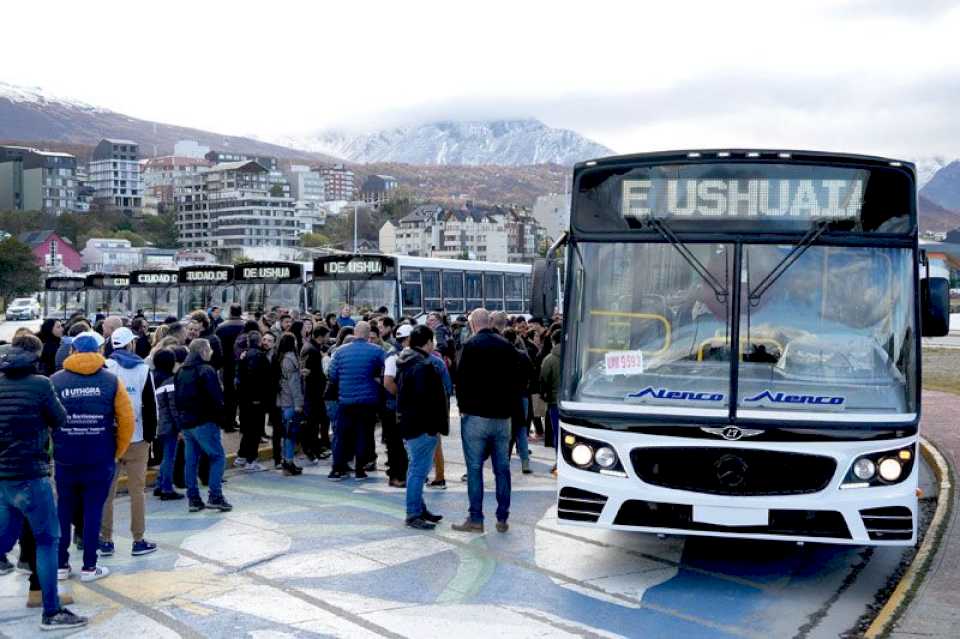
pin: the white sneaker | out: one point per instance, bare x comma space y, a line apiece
64, 573
254, 467
239, 462
92, 575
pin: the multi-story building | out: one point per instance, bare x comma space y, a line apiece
493, 234
115, 176
338, 182
305, 185
160, 175
553, 213
311, 216
34, 180
110, 255
378, 188
234, 210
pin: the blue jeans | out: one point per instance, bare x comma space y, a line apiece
553, 414
33, 499
420, 454
484, 437
291, 425
165, 474
203, 439
89, 485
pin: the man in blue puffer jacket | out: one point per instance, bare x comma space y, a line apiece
356, 370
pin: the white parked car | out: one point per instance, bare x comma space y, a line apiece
23, 308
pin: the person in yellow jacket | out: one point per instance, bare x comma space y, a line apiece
100, 423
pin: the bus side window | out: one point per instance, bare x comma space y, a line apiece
411, 291
493, 289
513, 292
431, 291
474, 283
453, 292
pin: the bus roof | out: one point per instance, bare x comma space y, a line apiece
763, 155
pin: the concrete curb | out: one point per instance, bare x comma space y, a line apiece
265, 452
906, 589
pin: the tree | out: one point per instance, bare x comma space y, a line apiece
315, 240
19, 273
135, 239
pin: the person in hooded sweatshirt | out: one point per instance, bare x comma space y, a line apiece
421, 417
254, 390
135, 375
29, 412
168, 421
97, 432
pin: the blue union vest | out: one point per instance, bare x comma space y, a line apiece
90, 435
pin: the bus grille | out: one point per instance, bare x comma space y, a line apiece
733, 471
889, 523
797, 523
580, 505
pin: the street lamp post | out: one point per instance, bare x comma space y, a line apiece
356, 213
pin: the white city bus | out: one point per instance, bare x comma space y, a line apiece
107, 294
741, 354
62, 296
204, 286
154, 292
259, 286
413, 286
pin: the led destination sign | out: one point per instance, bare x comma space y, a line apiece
153, 278
835, 199
206, 276
354, 267
64, 284
268, 271
108, 281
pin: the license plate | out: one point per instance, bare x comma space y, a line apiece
728, 516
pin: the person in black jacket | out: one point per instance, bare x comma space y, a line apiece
51, 332
315, 436
29, 413
168, 421
227, 333
489, 386
200, 405
421, 416
256, 394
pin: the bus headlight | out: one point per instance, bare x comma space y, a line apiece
880, 468
890, 469
864, 469
582, 455
605, 457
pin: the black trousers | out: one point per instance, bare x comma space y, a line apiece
355, 424
252, 418
396, 453
229, 399
310, 429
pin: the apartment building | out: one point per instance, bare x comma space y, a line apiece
115, 176
160, 176
306, 185
231, 207
338, 182
377, 189
35, 180
110, 255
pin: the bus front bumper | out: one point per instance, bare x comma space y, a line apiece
876, 515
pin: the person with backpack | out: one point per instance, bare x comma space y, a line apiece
255, 393
168, 420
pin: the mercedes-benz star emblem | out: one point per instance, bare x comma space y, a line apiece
731, 470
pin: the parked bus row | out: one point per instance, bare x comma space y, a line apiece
406, 285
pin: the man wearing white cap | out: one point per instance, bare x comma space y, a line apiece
135, 376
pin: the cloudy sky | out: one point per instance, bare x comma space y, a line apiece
879, 77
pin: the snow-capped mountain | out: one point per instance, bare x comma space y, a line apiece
32, 114
943, 189
928, 166
504, 142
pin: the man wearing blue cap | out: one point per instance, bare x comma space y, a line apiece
97, 432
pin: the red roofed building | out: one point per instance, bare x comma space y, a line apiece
52, 252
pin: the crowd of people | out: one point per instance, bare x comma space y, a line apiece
89, 404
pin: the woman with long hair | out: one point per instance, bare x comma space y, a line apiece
289, 397
50, 333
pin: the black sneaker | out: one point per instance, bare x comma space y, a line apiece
360, 475
220, 504
196, 505
431, 517
5, 566
63, 618
336, 475
157, 492
438, 484
420, 524
171, 496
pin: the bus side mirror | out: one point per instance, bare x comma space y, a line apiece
543, 298
934, 306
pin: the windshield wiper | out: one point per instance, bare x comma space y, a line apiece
718, 288
795, 253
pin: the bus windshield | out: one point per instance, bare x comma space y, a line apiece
156, 302
329, 296
262, 296
834, 334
